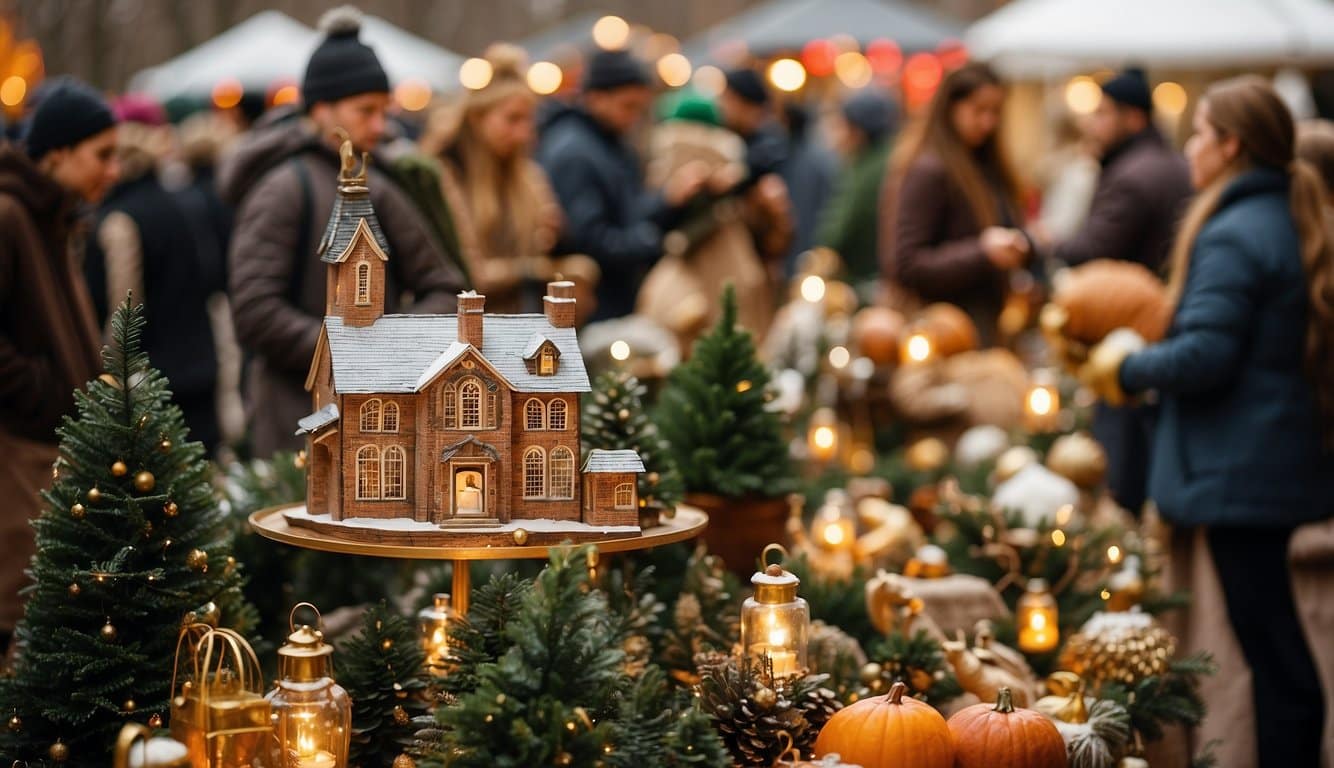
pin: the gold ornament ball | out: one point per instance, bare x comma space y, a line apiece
403, 761
129, 705
119, 469
108, 632
94, 495
870, 673
58, 752
164, 445
927, 455
144, 481
77, 511
74, 589
520, 536
766, 698
197, 560
155, 721
15, 724
401, 715
170, 509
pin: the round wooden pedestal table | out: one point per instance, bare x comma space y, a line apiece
272, 523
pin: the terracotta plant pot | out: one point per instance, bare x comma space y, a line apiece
739, 529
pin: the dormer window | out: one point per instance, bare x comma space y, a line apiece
546, 363
541, 357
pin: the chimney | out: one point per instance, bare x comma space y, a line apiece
471, 306
558, 304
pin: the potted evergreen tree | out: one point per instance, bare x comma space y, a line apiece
727, 442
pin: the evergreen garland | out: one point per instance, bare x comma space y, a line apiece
382, 671
131, 538
715, 415
1161, 700
615, 417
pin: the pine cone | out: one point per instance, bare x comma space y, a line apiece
817, 704
1122, 655
757, 722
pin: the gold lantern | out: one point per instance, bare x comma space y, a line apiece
312, 714
775, 622
218, 712
834, 528
1042, 403
1037, 618
434, 622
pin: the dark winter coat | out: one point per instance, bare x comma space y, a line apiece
144, 235
1238, 439
1141, 192
608, 214
848, 223
930, 245
278, 295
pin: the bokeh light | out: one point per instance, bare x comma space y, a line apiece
611, 33
709, 81
885, 56
620, 350
853, 69
12, 91
227, 93
413, 94
475, 74
1170, 98
287, 94
812, 288
818, 57
674, 69
787, 75
1082, 95
544, 78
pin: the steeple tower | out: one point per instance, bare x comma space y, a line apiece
354, 247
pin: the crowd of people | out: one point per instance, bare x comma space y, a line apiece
214, 226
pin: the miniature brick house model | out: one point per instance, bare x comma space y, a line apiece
467, 421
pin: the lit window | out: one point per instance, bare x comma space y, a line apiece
562, 473
370, 415
449, 404
534, 480
532, 414
393, 465
363, 284
470, 405
547, 365
389, 419
556, 415
625, 496
368, 473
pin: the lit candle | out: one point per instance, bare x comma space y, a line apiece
1042, 405
784, 663
775, 623
434, 622
1038, 619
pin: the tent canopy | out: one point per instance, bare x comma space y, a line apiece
574, 33
787, 25
1047, 38
271, 47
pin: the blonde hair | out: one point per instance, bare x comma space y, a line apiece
1248, 109
502, 203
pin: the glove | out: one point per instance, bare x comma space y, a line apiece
1102, 372
1068, 351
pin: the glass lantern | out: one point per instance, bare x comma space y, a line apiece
1037, 618
834, 527
312, 714
1042, 403
433, 621
775, 624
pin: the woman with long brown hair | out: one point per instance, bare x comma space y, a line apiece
950, 210
500, 203
1246, 380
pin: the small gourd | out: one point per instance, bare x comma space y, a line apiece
890, 731
1001, 736
1100, 742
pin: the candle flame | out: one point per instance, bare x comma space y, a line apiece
1113, 554
823, 437
1040, 401
1037, 620
919, 347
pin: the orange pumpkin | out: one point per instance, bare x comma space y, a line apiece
1103, 295
951, 329
890, 731
1000, 736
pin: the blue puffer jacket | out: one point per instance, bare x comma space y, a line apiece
1238, 440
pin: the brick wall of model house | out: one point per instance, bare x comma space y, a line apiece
602, 509
436, 484
384, 450
546, 440
358, 308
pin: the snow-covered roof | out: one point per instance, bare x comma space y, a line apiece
402, 353
600, 460
317, 420
352, 205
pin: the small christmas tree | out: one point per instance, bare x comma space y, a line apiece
615, 417
715, 416
382, 669
131, 539
660, 727
479, 638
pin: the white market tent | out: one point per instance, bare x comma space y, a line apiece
271, 47
1038, 39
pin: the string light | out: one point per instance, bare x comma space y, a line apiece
787, 75
544, 78
620, 350
1082, 95
674, 69
1170, 98
853, 69
611, 33
475, 74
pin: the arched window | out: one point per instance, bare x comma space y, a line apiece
562, 473
470, 404
392, 470
449, 404
625, 495
363, 283
368, 473
370, 415
534, 474
556, 415
389, 418
532, 414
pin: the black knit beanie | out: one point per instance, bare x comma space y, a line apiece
607, 70
342, 65
873, 113
749, 85
69, 112
1130, 88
